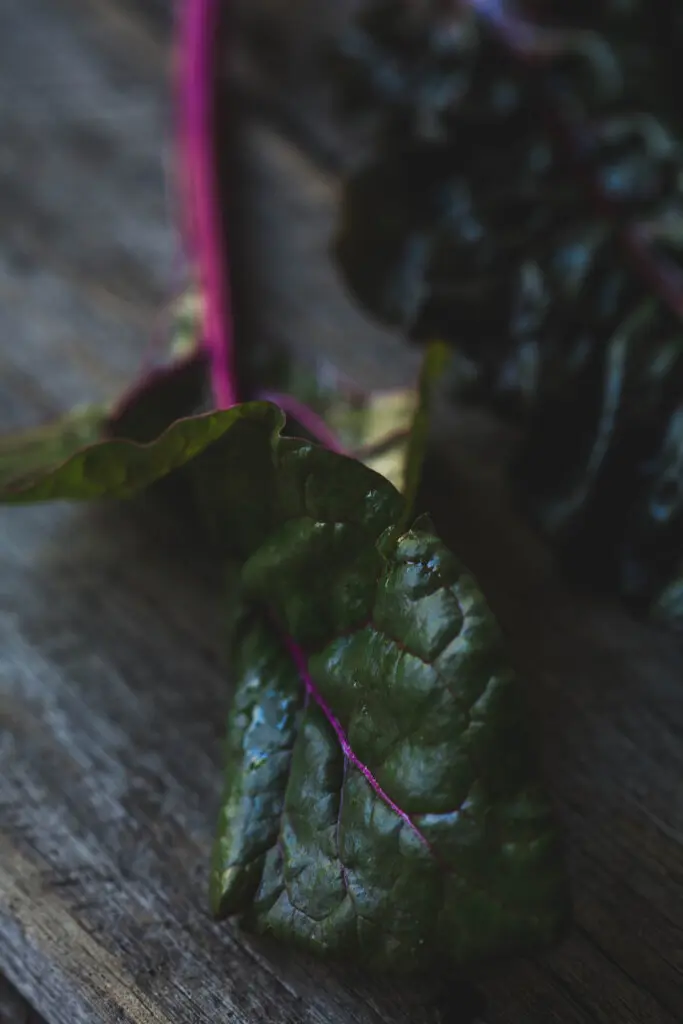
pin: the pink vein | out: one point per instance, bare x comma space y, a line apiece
198, 39
301, 663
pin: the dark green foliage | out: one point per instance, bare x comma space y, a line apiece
25, 457
388, 811
522, 201
263, 725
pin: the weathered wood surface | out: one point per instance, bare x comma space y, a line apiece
112, 686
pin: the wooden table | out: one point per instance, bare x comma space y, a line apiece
113, 690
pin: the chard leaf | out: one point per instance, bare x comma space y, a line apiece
57, 465
262, 730
37, 450
373, 427
389, 811
381, 797
386, 429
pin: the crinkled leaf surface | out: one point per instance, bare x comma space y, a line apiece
381, 796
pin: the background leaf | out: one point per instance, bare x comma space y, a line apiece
520, 198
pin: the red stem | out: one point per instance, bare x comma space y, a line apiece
204, 229
315, 425
198, 50
300, 660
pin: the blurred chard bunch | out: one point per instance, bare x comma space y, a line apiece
522, 200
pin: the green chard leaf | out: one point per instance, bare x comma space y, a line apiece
558, 278
29, 454
56, 464
373, 427
87, 453
381, 798
385, 429
263, 725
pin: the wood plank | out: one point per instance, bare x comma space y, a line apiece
112, 686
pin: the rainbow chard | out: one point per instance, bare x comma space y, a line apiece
522, 200
381, 798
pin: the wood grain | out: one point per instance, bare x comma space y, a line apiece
113, 689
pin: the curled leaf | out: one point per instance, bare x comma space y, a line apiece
36, 451
60, 467
385, 429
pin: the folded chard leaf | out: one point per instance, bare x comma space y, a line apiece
385, 429
114, 467
28, 455
320, 402
382, 801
